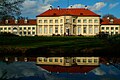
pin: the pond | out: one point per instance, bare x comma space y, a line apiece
30, 71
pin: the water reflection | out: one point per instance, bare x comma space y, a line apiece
30, 71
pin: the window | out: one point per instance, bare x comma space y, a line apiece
90, 30
112, 28
56, 21
45, 29
95, 21
50, 60
33, 28
56, 60
90, 21
78, 60
61, 29
116, 32
56, 29
84, 60
33, 33
5, 28
40, 29
40, 21
20, 28
84, 30
20, 33
96, 30
29, 33
24, 33
40, 59
79, 30
116, 28
107, 28
14, 28
51, 30
24, 28
90, 60
84, 21
67, 60
51, 21
67, 20
79, 21
9, 28
45, 59
74, 29
103, 28
1, 28
61, 20
95, 60
112, 33
45, 21
29, 28
107, 32
61, 60
73, 20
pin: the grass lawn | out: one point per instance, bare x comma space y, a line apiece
34, 42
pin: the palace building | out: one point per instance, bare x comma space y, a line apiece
62, 21
19, 27
110, 26
70, 21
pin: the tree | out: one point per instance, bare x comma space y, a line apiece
10, 8
109, 15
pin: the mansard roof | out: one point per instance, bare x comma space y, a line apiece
68, 11
19, 22
114, 21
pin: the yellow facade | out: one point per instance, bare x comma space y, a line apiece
21, 30
68, 25
68, 61
110, 29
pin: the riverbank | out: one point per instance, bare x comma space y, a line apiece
58, 46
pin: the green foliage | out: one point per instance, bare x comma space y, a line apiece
3, 34
102, 35
109, 15
115, 39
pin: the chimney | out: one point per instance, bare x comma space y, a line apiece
58, 7
71, 6
86, 7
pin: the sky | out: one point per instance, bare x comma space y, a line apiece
32, 8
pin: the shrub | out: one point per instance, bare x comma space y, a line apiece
102, 35
7, 34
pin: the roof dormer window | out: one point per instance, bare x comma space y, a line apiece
111, 20
6, 21
25, 21
16, 21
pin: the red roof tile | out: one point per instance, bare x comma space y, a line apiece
20, 22
106, 21
68, 11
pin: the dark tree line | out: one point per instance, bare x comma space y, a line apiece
10, 8
110, 16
